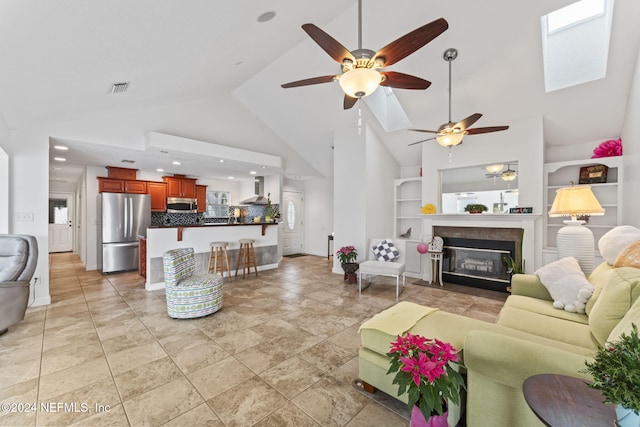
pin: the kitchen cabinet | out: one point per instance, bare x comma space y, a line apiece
158, 192
110, 185
179, 186
201, 197
142, 257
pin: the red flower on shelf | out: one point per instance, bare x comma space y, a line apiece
609, 148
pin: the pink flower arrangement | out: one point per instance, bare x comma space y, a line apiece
609, 148
347, 254
428, 369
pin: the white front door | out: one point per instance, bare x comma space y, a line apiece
291, 210
60, 222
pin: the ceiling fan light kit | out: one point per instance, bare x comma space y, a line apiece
360, 82
360, 68
495, 168
509, 174
451, 134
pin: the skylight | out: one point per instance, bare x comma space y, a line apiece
387, 109
575, 43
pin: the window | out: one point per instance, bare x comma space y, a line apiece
575, 43
291, 215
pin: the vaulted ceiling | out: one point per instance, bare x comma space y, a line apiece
60, 58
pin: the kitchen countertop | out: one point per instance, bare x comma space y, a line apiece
217, 224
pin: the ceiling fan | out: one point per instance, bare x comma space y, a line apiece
361, 73
450, 134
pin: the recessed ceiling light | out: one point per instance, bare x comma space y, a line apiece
60, 147
264, 167
175, 162
253, 172
60, 159
267, 16
159, 170
221, 160
231, 177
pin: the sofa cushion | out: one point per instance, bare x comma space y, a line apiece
385, 251
553, 328
566, 283
616, 297
615, 240
543, 307
629, 257
624, 325
381, 268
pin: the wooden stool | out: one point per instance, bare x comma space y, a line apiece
219, 249
247, 254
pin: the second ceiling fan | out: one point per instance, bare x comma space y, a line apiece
451, 134
360, 68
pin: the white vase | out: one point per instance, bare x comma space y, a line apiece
626, 417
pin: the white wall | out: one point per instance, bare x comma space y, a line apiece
4, 176
382, 170
318, 214
631, 152
29, 194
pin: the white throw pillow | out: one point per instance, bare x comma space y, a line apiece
567, 284
615, 240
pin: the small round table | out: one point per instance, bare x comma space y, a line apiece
560, 400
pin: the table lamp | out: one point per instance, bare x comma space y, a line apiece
574, 239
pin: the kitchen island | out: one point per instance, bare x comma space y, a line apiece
163, 238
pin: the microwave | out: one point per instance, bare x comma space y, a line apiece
182, 205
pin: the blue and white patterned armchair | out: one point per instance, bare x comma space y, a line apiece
189, 295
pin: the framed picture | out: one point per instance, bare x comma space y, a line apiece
595, 174
521, 210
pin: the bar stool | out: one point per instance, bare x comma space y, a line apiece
247, 254
219, 249
435, 255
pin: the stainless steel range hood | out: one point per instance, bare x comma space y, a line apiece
258, 198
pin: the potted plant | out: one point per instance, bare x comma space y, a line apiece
270, 214
475, 208
348, 255
428, 370
616, 373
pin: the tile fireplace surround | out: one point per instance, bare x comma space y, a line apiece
531, 247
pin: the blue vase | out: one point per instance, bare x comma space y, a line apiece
626, 417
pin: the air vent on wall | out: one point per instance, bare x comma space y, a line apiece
119, 87
128, 161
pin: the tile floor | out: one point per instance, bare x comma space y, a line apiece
282, 352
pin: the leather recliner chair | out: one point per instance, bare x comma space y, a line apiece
18, 259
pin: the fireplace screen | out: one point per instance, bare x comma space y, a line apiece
485, 264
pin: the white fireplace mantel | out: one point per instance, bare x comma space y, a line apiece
531, 248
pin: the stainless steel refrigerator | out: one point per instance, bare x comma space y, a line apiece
125, 217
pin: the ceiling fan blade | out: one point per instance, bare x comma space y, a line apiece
466, 122
349, 102
424, 130
403, 81
328, 43
410, 42
424, 140
476, 131
311, 81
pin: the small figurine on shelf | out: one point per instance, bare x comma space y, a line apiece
406, 235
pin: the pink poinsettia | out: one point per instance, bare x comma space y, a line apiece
426, 368
609, 148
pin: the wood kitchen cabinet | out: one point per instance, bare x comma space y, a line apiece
179, 186
142, 257
158, 192
110, 185
201, 197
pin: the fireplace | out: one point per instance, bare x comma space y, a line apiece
474, 256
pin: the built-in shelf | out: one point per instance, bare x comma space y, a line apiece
408, 202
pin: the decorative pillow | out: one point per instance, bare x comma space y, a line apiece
630, 256
566, 283
386, 251
615, 240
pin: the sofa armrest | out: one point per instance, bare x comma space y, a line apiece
519, 359
529, 285
15, 284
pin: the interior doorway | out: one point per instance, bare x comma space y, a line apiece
61, 222
292, 210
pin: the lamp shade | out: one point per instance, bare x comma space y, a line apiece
574, 239
575, 200
494, 168
360, 82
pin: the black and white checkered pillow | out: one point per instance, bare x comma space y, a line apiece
386, 251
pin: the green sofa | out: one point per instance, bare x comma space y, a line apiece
530, 337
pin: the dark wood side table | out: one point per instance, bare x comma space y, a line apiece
329, 240
560, 400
